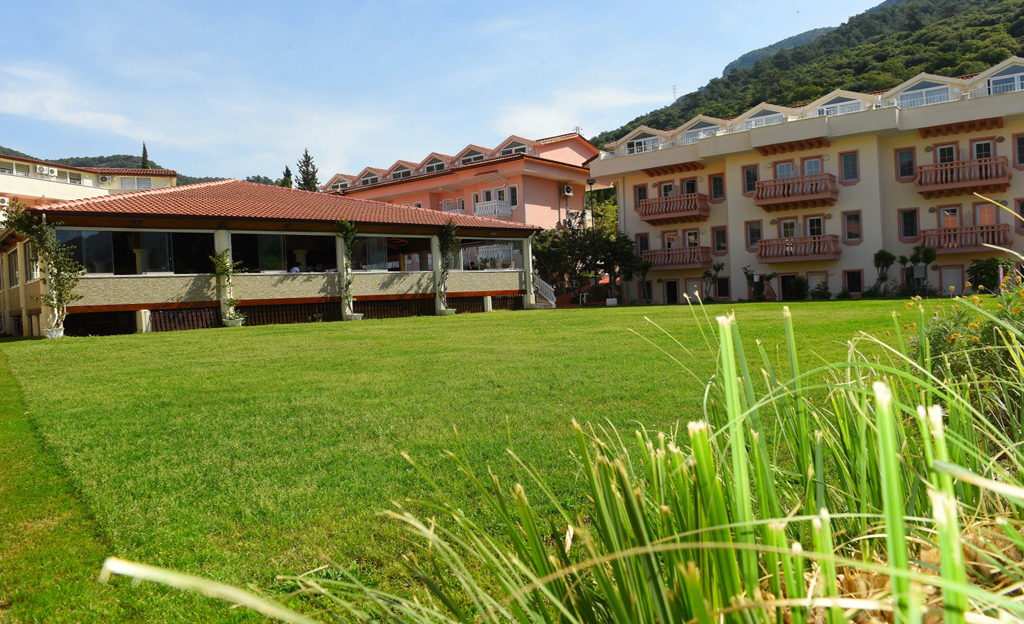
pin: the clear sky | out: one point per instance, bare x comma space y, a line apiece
234, 89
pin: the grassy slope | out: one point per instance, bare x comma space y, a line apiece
241, 454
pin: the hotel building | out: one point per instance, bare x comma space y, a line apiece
815, 190
36, 182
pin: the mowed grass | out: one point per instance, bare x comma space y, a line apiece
239, 454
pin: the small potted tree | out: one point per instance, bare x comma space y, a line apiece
448, 245
225, 270
347, 234
61, 271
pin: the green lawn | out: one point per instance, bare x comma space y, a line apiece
244, 453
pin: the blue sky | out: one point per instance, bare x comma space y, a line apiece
235, 89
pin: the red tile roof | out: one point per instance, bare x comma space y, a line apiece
234, 199
560, 137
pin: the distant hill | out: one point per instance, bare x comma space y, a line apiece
748, 59
877, 49
14, 152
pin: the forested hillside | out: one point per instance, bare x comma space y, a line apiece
874, 50
748, 59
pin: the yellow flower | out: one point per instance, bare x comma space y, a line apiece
952, 288
967, 284
976, 300
975, 339
973, 326
952, 337
1016, 310
999, 304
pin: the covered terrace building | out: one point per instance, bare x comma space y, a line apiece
147, 258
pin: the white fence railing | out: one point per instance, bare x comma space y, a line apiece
493, 208
545, 290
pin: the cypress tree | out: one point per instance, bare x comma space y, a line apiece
307, 174
145, 157
286, 179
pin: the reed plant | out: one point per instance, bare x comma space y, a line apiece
884, 487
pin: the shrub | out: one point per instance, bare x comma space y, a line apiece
984, 274
821, 291
844, 294
799, 288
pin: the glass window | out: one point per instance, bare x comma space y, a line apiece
1020, 149
513, 148
851, 225
945, 154
722, 288
378, 253
12, 269
855, 281
471, 157
513, 195
950, 217
749, 179
400, 173
153, 253
815, 226
191, 251
812, 166
717, 186
487, 195
643, 243
491, 254
500, 194
850, 167
434, 165
259, 252
908, 224
783, 170
718, 234
98, 252
787, 228
641, 193
753, 233
692, 238
645, 291
370, 253
905, 163
982, 149
923, 97
31, 263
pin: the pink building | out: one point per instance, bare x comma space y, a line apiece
520, 180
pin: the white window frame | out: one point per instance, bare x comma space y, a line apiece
639, 146
518, 149
431, 167
462, 204
417, 204
840, 108
500, 194
467, 159
398, 174
925, 97
765, 120
487, 195
1014, 82
337, 186
513, 191
366, 180
123, 184
807, 225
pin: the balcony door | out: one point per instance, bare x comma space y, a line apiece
787, 228
949, 217
983, 150
668, 189
815, 226
692, 238
812, 166
689, 186
945, 154
985, 214
669, 240
671, 291
783, 170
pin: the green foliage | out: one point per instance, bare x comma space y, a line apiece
144, 162
185, 179
307, 180
286, 178
799, 288
259, 179
709, 277
120, 161
872, 51
844, 294
226, 270
984, 274
448, 246
13, 152
821, 292
748, 59
883, 260
61, 271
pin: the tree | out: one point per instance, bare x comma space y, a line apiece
710, 277
447, 244
613, 254
62, 271
566, 252
259, 179
286, 178
883, 261
347, 234
984, 274
307, 180
145, 157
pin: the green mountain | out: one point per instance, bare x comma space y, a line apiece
748, 59
14, 152
875, 50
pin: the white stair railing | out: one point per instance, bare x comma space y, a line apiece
544, 289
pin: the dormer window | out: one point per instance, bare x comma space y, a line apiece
434, 165
368, 179
642, 143
337, 186
401, 172
1006, 84
924, 96
768, 119
471, 157
840, 108
692, 136
513, 148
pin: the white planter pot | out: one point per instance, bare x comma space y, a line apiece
353, 317
53, 332
611, 301
233, 322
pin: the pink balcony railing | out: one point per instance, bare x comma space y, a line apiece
966, 239
806, 191
680, 258
799, 248
963, 176
683, 208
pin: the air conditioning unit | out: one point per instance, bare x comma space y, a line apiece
106, 179
42, 169
566, 190
5, 201
51, 171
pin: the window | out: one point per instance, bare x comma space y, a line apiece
851, 227
471, 157
476, 199
787, 228
513, 195
12, 269
854, 281
500, 194
783, 170
368, 179
718, 240
949, 217
645, 291
401, 172
905, 167
692, 238
31, 263
643, 243
985, 214
691, 137
140, 252
1020, 213
717, 182
765, 120
667, 189
259, 253
640, 145
753, 234
462, 204
815, 226
491, 254
945, 153
1005, 84
840, 108
513, 148
812, 166
908, 224
434, 165
21, 170
75, 178
136, 184
641, 193
849, 167
750, 179
417, 204
722, 288
339, 185
669, 240
487, 195
922, 97
1018, 149
689, 186
982, 149
379, 253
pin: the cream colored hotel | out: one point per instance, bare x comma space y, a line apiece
816, 190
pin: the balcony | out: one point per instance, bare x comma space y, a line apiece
968, 239
808, 191
679, 258
799, 249
963, 176
684, 208
494, 209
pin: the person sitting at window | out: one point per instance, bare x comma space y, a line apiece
295, 268
472, 266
